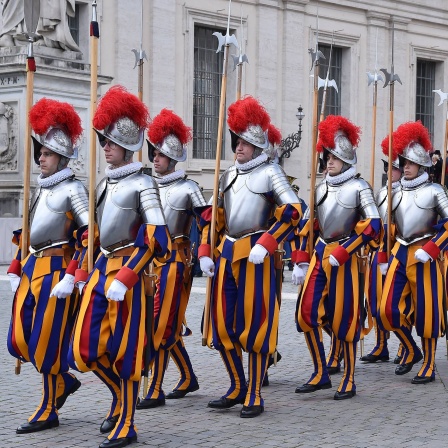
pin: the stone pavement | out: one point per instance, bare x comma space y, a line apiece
388, 411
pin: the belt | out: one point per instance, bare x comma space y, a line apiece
181, 247
340, 239
126, 251
51, 251
40, 246
244, 234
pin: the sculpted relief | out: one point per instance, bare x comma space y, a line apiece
8, 141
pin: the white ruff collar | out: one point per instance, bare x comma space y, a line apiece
340, 178
115, 173
395, 185
252, 163
179, 174
414, 182
55, 178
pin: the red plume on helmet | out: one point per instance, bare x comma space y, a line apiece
385, 147
47, 113
274, 135
116, 103
245, 112
329, 128
168, 123
411, 132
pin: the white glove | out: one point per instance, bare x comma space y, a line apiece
14, 281
207, 266
299, 273
116, 291
383, 268
80, 285
257, 254
333, 261
64, 288
422, 255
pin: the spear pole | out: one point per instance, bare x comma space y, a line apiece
391, 77
140, 56
24, 241
315, 56
94, 36
226, 41
374, 79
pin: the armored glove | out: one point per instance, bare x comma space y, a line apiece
207, 266
64, 288
299, 273
257, 254
422, 255
14, 281
383, 268
116, 291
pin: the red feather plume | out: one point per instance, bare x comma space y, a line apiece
412, 131
385, 148
47, 113
245, 112
274, 135
330, 126
116, 103
166, 123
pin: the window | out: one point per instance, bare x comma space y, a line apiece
333, 98
73, 24
206, 92
424, 101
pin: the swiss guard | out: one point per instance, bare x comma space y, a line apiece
347, 220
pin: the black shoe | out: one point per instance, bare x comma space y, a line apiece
117, 443
271, 359
374, 358
37, 426
405, 368
307, 388
344, 395
398, 359
60, 401
179, 393
251, 411
422, 379
148, 403
265, 382
224, 403
109, 424
333, 370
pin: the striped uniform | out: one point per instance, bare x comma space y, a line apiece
413, 291
109, 336
330, 294
41, 325
244, 308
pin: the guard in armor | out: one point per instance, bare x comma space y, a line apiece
182, 201
347, 220
109, 335
257, 209
380, 351
413, 287
44, 308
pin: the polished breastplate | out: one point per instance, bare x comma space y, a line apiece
414, 217
118, 216
52, 218
246, 212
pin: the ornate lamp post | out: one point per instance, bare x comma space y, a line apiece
291, 142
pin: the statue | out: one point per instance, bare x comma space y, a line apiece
52, 24
12, 23
8, 146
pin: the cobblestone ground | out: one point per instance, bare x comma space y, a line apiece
388, 411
